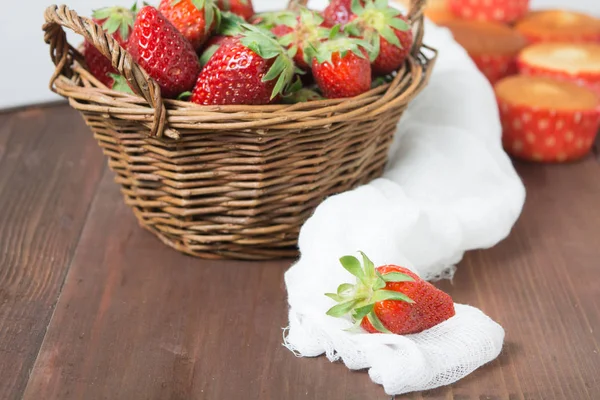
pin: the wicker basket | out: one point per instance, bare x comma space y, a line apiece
229, 181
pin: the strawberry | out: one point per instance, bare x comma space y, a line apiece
252, 68
231, 25
118, 22
195, 19
158, 47
341, 66
546, 120
243, 8
386, 30
303, 31
389, 299
338, 12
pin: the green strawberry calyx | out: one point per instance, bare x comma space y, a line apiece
120, 84
211, 11
231, 24
115, 19
265, 46
269, 20
336, 43
307, 31
376, 20
358, 300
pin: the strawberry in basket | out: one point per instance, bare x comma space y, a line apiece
250, 69
388, 32
547, 120
559, 26
118, 22
243, 8
195, 19
577, 62
231, 25
168, 57
341, 66
301, 32
492, 46
338, 12
389, 299
489, 10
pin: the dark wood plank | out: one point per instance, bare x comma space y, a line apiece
49, 168
542, 285
139, 321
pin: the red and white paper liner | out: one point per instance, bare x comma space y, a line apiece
489, 10
591, 80
544, 135
495, 67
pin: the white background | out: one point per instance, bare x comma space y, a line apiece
25, 65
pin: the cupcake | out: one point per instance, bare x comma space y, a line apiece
492, 46
577, 62
438, 11
490, 10
547, 120
559, 26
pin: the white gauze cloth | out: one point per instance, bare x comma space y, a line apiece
448, 188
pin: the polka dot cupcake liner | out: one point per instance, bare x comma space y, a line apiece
544, 135
589, 80
489, 10
495, 67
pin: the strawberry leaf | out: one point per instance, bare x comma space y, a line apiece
120, 84
399, 24
356, 7
352, 265
362, 312
376, 322
368, 265
389, 35
342, 309
345, 289
397, 277
379, 283
383, 295
208, 53
335, 297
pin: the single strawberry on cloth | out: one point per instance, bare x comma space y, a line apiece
448, 188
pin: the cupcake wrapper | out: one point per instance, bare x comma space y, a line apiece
544, 135
489, 10
589, 80
495, 67
533, 39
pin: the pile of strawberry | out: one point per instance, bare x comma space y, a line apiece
218, 52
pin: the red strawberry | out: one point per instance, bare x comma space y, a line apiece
243, 8
338, 12
195, 19
341, 67
158, 47
231, 25
249, 69
118, 22
386, 30
300, 33
546, 120
389, 299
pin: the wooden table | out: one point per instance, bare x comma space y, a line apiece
93, 307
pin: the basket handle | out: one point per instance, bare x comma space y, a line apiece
63, 54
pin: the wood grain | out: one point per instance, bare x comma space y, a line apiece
49, 167
136, 320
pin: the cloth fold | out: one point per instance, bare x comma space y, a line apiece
448, 188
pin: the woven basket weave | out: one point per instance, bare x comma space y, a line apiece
229, 181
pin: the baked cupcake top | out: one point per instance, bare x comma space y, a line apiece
486, 38
546, 93
573, 58
558, 23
